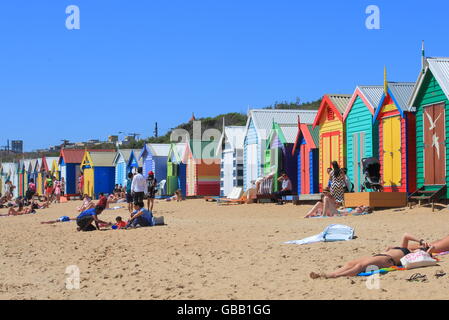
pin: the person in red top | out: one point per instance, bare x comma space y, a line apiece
31, 190
103, 201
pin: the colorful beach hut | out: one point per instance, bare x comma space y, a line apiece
20, 177
279, 155
430, 98
397, 141
40, 177
329, 119
231, 158
69, 163
202, 168
257, 130
307, 155
176, 169
121, 163
134, 162
27, 173
362, 134
154, 158
99, 172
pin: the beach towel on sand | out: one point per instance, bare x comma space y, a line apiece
333, 232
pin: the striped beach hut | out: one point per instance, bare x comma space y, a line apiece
332, 133
176, 168
55, 170
21, 177
27, 173
8, 173
430, 98
154, 158
362, 134
397, 137
257, 130
121, 163
307, 155
40, 177
99, 172
202, 168
231, 155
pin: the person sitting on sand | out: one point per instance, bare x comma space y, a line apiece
326, 207
120, 223
103, 201
141, 217
87, 204
391, 257
60, 219
85, 219
39, 205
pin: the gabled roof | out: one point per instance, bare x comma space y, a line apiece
201, 150
400, 93
370, 96
72, 155
48, 162
337, 102
159, 149
234, 135
439, 67
8, 168
125, 153
311, 135
27, 163
99, 159
263, 119
176, 151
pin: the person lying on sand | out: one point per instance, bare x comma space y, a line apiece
391, 257
176, 197
85, 219
60, 219
39, 205
20, 210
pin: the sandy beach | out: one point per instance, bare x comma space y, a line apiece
208, 251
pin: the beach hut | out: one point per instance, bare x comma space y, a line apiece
231, 158
55, 170
279, 155
202, 168
121, 163
362, 134
135, 162
5, 176
176, 168
430, 98
397, 140
257, 130
307, 156
329, 119
99, 172
40, 177
20, 178
27, 174
154, 158
69, 163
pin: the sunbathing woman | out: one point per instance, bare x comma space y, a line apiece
326, 207
391, 257
20, 210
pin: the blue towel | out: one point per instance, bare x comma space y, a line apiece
333, 232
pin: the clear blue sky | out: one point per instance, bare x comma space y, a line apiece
136, 62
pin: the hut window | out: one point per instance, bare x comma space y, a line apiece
330, 114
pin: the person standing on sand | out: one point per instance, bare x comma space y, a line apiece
152, 186
57, 191
81, 183
48, 185
62, 186
138, 186
129, 196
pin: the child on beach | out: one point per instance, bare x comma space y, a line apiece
120, 223
176, 197
57, 191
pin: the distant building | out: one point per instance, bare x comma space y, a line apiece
17, 146
113, 139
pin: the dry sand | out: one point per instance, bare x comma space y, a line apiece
208, 251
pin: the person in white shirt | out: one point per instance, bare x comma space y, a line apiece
286, 187
138, 186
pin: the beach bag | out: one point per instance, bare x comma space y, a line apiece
418, 259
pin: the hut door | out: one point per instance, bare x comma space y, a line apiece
434, 144
358, 142
304, 165
252, 165
392, 168
331, 152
